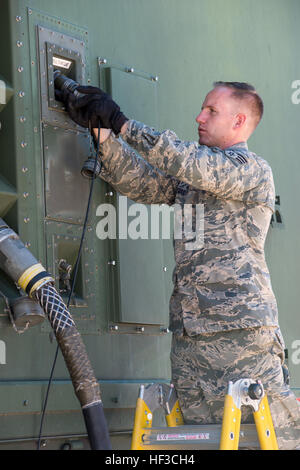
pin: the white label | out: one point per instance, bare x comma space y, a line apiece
2, 92
63, 63
182, 437
2, 352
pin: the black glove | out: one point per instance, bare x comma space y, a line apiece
91, 105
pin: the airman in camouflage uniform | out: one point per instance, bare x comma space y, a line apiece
223, 312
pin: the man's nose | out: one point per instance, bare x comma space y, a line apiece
200, 118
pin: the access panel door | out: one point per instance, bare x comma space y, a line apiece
144, 260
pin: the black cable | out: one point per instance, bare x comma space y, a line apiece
73, 283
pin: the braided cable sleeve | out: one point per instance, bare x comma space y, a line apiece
69, 339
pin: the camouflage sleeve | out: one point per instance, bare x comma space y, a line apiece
132, 176
207, 168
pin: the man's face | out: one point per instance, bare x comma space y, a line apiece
216, 121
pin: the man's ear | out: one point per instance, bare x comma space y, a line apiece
240, 119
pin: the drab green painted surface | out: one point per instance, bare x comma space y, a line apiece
188, 45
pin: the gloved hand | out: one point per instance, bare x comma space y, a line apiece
90, 106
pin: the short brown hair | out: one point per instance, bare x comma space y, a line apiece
245, 91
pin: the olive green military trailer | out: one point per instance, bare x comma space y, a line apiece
158, 59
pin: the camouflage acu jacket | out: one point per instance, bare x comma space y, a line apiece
225, 284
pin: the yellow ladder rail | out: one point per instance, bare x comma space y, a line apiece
264, 426
250, 393
150, 398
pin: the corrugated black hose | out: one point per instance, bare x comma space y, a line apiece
45, 295
64, 329
17, 261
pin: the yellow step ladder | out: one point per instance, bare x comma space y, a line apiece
226, 436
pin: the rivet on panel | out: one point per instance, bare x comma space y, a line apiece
23, 144
19, 44
114, 327
141, 329
165, 330
24, 169
21, 94
22, 118
26, 220
20, 68
25, 195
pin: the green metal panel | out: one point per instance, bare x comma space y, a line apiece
187, 45
64, 152
144, 280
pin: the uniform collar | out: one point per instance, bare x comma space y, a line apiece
238, 146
